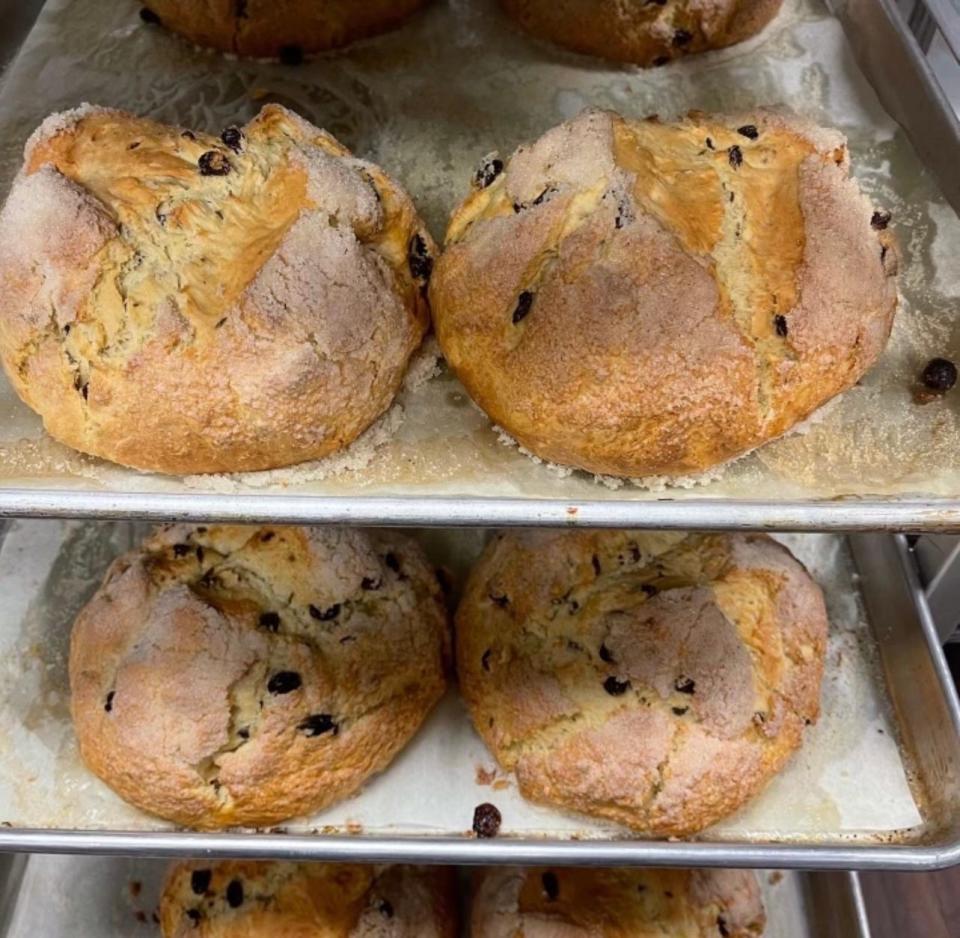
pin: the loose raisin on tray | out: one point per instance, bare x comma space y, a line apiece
486, 820
551, 888
291, 55
488, 172
735, 156
780, 324
682, 38
385, 908
684, 685
235, 894
749, 131
200, 881
269, 621
419, 259
233, 138
615, 687
940, 374
148, 16
284, 682
214, 163
880, 220
524, 302
325, 615
317, 724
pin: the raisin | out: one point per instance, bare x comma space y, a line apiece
108, 704
235, 894
371, 583
551, 888
325, 615
524, 302
661, 60
181, 550
244, 732
486, 820
267, 536
148, 16
658, 3
200, 555
595, 560
419, 259
682, 38
649, 589
233, 138
284, 682
291, 55
615, 687
735, 156
485, 660
214, 163
385, 909
606, 654
710, 145
134, 146
269, 621
200, 881
749, 131
722, 927
391, 561
939, 374
488, 172
684, 685
317, 724
679, 711
780, 324
188, 135
194, 915
880, 220
501, 601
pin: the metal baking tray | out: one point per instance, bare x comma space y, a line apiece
114, 897
876, 784
427, 101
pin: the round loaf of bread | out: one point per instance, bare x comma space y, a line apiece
640, 903
655, 679
185, 303
247, 899
646, 32
242, 675
280, 27
638, 298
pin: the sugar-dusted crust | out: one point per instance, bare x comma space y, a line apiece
241, 676
307, 900
178, 321
265, 27
620, 903
640, 298
659, 680
646, 32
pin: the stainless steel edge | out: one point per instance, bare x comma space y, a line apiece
860, 906
899, 72
835, 906
908, 514
12, 868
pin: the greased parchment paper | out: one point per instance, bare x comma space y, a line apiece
848, 781
427, 102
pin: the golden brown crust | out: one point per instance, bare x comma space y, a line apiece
169, 318
638, 298
619, 903
658, 680
241, 676
265, 27
645, 32
246, 899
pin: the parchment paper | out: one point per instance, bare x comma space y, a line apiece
849, 781
427, 102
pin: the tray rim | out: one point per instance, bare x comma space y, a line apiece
864, 855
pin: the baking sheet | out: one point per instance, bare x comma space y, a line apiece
427, 102
849, 782
117, 897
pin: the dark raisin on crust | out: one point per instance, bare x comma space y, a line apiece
522, 310
685, 685
284, 682
485, 659
148, 16
749, 131
595, 560
615, 687
419, 259
606, 654
391, 561
200, 881
709, 143
385, 908
649, 589
735, 156
371, 583
235, 894
267, 536
682, 38
551, 888
880, 220
488, 172
214, 163
780, 324
883, 253
499, 600
181, 550
324, 615
317, 724
194, 915
244, 732
486, 820
939, 374
722, 927
269, 621
233, 138
200, 554
679, 711
108, 703
661, 60
188, 135
291, 55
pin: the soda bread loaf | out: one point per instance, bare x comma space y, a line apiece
617, 903
646, 32
246, 899
186, 303
638, 298
280, 27
659, 680
242, 676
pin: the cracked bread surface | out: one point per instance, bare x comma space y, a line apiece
645, 32
239, 676
251, 899
268, 27
550, 902
639, 298
658, 680
184, 303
